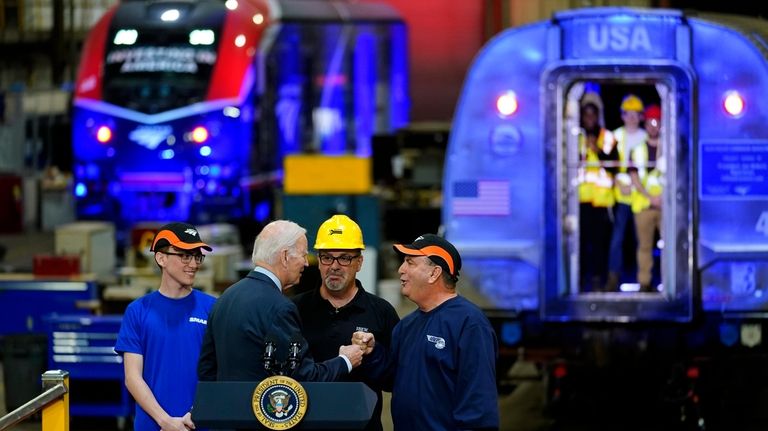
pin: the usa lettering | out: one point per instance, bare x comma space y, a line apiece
603, 37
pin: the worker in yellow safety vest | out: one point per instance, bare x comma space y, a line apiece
627, 137
595, 180
647, 174
595, 197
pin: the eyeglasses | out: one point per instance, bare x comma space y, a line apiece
187, 258
344, 259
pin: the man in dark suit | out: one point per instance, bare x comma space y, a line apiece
254, 311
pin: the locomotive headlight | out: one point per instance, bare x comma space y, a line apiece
506, 104
104, 134
733, 103
125, 36
199, 134
170, 15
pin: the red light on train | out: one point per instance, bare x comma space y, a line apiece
733, 103
199, 134
506, 104
560, 371
692, 372
104, 134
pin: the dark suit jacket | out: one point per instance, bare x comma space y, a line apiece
243, 318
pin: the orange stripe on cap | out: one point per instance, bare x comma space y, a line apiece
176, 242
432, 250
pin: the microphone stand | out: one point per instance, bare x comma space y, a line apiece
288, 367
293, 357
269, 357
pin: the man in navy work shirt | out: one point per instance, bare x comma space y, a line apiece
442, 362
161, 334
340, 306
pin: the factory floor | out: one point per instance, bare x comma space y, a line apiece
518, 410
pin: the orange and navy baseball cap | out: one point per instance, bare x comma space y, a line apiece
180, 235
437, 249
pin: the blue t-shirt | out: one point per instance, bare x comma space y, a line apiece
445, 376
168, 333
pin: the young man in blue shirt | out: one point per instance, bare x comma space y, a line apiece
161, 334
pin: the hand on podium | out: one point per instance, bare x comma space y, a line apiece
364, 340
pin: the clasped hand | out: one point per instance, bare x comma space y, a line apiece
364, 340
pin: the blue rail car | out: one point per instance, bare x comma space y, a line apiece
516, 164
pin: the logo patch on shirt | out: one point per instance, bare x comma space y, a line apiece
361, 329
439, 341
198, 320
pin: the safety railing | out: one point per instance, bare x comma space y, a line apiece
54, 402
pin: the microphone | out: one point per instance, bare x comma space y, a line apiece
294, 348
269, 354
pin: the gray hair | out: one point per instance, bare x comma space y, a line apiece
449, 280
275, 237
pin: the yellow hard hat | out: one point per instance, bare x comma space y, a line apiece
632, 103
339, 233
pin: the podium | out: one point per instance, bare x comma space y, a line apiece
333, 405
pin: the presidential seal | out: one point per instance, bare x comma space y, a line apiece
279, 402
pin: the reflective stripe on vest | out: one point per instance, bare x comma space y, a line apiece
595, 183
620, 135
650, 179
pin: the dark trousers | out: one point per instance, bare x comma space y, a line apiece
594, 239
623, 220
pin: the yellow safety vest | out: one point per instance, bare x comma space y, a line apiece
650, 178
595, 183
620, 135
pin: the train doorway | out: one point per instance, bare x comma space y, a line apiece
619, 159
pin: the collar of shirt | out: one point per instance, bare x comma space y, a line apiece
356, 301
271, 276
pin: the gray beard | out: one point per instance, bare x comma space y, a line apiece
334, 287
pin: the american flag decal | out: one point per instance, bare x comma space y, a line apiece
481, 198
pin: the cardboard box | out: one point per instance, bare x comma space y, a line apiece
224, 261
93, 241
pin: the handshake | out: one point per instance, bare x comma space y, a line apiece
362, 344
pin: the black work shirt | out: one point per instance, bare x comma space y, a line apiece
326, 328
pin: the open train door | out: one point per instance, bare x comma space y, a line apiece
612, 53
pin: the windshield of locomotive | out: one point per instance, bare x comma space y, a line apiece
153, 73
